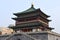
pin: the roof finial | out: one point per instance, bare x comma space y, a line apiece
32, 5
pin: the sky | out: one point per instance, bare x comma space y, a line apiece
49, 7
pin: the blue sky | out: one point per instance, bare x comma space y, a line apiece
49, 7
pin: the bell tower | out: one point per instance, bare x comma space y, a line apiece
31, 20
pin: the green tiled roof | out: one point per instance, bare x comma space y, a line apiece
29, 24
28, 10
